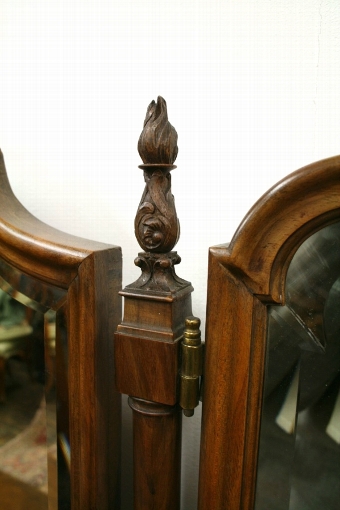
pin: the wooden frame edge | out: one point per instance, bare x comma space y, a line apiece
243, 278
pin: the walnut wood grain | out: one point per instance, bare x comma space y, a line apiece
244, 277
90, 272
157, 446
147, 367
149, 370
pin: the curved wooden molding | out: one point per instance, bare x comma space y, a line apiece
35, 247
90, 273
278, 223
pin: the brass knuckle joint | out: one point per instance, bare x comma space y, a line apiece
191, 366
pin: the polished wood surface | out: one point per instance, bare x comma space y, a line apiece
151, 378
147, 368
90, 272
244, 277
157, 446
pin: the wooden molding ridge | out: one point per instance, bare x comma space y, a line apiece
158, 276
268, 236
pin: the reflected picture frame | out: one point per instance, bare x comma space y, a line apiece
90, 275
244, 277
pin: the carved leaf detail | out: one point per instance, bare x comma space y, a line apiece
146, 207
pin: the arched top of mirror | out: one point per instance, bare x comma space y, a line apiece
267, 238
33, 246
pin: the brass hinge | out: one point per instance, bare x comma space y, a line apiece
191, 366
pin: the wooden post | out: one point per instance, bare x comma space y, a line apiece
157, 447
147, 341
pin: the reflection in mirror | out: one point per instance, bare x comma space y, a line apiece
34, 445
299, 449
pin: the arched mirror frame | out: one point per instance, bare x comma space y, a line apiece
244, 277
90, 273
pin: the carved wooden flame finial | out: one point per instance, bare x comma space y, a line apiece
157, 143
156, 223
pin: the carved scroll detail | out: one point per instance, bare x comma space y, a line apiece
156, 223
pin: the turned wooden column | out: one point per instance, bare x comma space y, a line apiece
147, 342
157, 466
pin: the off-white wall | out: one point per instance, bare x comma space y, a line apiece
252, 88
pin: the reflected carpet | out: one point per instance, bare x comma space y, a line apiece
25, 456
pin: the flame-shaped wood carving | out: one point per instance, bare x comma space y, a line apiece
157, 143
156, 223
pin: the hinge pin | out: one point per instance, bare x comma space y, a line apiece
192, 366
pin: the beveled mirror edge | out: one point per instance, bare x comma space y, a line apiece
243, 278
91, 273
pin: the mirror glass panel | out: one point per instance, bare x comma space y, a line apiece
299, 450
34, 438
